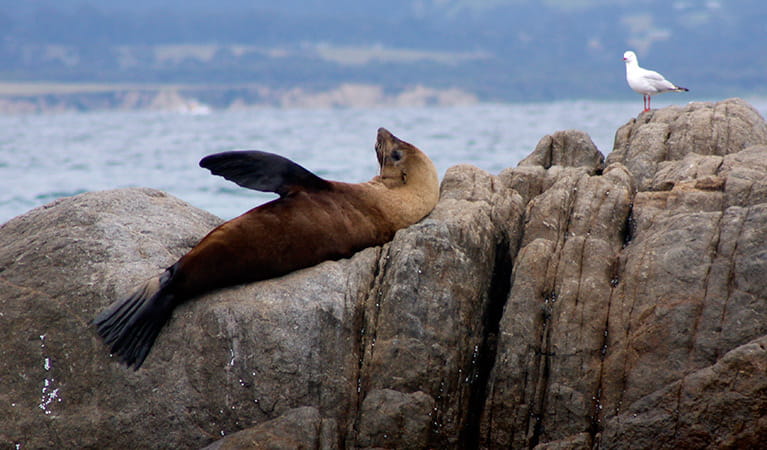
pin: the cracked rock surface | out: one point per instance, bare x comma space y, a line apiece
570, 302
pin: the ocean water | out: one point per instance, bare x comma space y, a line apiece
45, 157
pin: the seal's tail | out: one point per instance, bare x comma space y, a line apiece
131, 325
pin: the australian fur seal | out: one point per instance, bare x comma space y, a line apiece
313, 220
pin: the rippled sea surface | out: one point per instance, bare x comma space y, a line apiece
45, 157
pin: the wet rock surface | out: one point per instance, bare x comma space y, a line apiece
571, 302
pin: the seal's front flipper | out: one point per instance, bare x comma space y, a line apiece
263, 171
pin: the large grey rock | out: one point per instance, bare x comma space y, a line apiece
300, 428
58, 265
557, 155
561, 304
638, 338
392, 418
717, 406
548, 362
692, 290
233, 358
332, 337
669, 134
571, 148
439, 276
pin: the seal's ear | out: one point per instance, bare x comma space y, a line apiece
263, 171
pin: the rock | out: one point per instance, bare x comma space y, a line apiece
671, 133
548, 361
300, 428
326, 337
58, 265
691, 290
718, 406
666, 289
391, 418
556, 154
560, 304
238, 357
571, 148
410, 341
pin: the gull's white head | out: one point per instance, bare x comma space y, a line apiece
629, 57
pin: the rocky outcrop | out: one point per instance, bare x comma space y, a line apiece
569, 302
637, 317
650, 143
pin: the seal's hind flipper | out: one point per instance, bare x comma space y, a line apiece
131, 325
263, 171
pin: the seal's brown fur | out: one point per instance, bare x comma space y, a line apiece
313, 220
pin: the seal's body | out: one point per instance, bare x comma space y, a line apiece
313, 220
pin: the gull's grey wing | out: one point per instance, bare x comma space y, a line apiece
263, 171
653, 75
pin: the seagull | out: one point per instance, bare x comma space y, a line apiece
646, 82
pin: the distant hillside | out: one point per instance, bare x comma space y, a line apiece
496, 50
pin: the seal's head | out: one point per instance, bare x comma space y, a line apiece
409, 176
400, 161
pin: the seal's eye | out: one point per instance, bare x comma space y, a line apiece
396, 155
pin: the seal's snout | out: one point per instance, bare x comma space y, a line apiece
385, 138
385, 143
383, 134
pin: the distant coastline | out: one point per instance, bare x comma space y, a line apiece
47, 97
